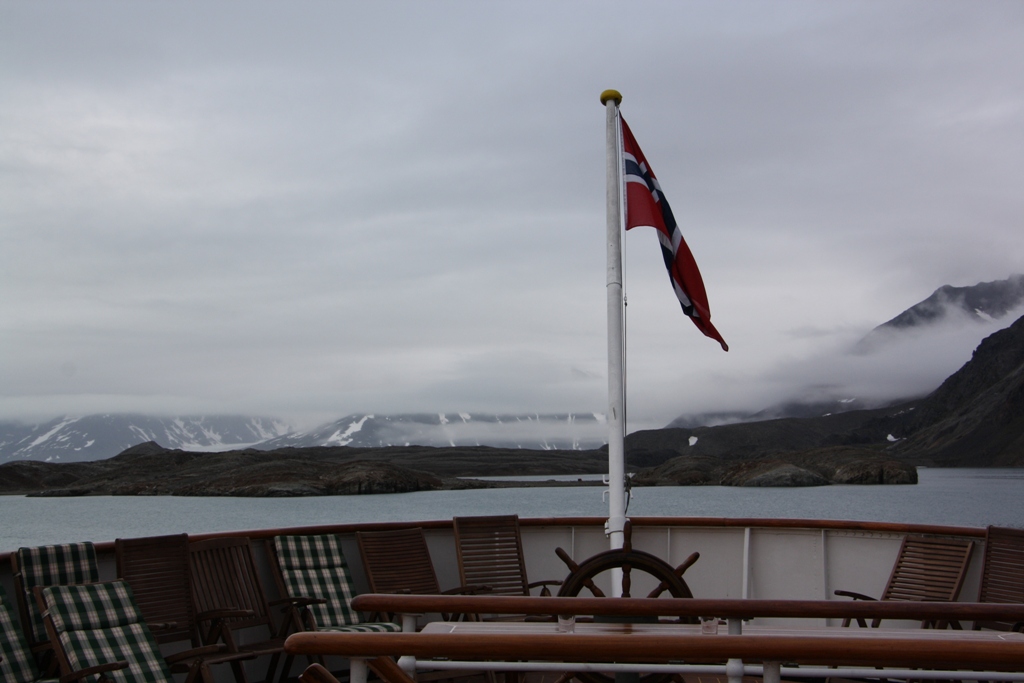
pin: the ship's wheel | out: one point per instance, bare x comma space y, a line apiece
627, 559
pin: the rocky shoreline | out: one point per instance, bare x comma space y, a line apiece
150, 470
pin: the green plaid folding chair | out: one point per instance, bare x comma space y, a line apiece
98, 631
313, 572
17, 665
49, 565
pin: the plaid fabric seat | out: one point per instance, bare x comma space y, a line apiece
98, 623
17, 664
50, 565
315, 567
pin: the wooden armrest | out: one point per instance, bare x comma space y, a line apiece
299, 601
855, 596
211, 654
466, 590
196, 652
215, 614
92, 671
162, 627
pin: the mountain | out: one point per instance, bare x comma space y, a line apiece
966, 313
979, 303
778, 411
93, 437
974, 419
536, 432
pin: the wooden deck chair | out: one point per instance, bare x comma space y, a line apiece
926, 569
96, 628
1002, 573
399, 561
313, 573
490, 553
17, 663
156, 568
48, 565
229, 597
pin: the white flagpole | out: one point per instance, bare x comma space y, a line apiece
616, 395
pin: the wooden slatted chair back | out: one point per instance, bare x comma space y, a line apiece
225, 582
1002, 575
398, 562
930, 569
224, 577
156, 568
49, 565
490, 553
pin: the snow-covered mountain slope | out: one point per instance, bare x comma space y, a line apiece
980, 303
566, 431
94, 437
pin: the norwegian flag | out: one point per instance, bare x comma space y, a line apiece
646, 205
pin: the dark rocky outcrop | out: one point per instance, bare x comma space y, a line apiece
842, 465
772, 473
149, 469
752, 440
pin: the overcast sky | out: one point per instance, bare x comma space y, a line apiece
310, 209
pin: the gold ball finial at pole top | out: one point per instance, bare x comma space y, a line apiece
611, 95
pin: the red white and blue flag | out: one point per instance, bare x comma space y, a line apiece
646, 205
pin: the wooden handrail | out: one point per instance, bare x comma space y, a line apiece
676, 607
907, 651
104, 547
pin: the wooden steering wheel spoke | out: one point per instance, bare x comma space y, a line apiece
625, 559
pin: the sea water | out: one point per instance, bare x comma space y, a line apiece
957, 497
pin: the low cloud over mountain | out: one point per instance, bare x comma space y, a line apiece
904, 358
981, 304
94, 437
538, 432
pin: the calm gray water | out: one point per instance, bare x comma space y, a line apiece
960, 497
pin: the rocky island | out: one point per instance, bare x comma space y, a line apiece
149, 469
